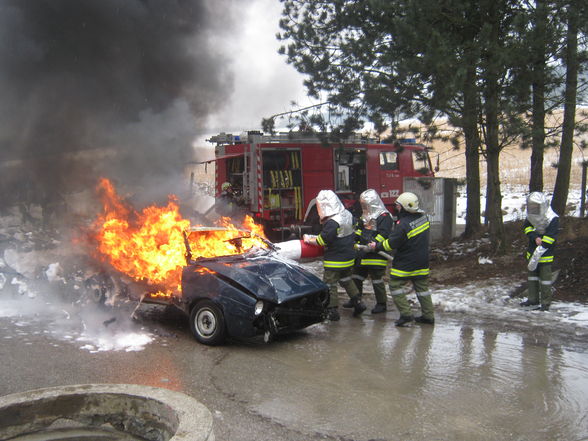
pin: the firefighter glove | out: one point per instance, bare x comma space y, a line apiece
309, 239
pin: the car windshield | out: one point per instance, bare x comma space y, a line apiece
207, 242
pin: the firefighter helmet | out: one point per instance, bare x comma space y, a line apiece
539, 212
328, 204
371, 205
226, 186
409, 201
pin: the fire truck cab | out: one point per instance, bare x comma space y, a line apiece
279, 176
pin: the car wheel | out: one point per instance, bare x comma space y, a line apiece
207, 323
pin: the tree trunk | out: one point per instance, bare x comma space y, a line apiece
538, 95
494, 201
472, 153
562, 181
491, 106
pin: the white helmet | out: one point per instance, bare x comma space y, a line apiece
409, 201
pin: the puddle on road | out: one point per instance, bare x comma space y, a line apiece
366, 379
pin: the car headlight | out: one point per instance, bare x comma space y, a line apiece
258, 307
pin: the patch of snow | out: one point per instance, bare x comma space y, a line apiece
491, 299
514, 201
579, 317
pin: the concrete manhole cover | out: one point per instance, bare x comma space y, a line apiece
103, 412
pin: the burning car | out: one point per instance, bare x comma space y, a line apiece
246, 294
231, 282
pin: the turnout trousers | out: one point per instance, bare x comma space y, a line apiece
539, 285
398, 290
376, 274
343, 277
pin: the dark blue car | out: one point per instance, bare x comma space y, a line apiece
249, 294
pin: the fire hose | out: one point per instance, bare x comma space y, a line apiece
366, 248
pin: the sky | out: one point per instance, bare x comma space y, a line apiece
263, 84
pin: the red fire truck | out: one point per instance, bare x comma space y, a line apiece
278, 176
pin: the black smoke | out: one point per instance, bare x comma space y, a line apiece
115, 88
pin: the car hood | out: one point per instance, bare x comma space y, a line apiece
268, 277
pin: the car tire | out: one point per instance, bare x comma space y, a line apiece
208, 323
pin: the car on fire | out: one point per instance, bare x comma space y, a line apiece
250, 293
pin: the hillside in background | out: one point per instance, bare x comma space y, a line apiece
515, 162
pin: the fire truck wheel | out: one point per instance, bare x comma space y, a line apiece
207, 323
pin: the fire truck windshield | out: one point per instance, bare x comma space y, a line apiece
421, 163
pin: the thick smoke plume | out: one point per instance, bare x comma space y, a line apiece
118, 88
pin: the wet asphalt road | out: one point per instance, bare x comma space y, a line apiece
358, 379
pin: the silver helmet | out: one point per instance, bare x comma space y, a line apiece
539, 212
328, 204
371, 206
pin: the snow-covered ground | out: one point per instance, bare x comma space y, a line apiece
491, 300
33, 280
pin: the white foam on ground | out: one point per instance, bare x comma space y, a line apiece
128, 342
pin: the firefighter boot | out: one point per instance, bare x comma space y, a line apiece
347, 304
424, 320
358, 306
359, 283
404, 320
333, 314
380, 307
529, 305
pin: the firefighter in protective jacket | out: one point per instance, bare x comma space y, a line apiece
228, 204
337, 238
374, 225
410, 240
541, 227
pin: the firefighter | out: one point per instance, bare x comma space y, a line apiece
541, 227
337, 238
228, 203
374, 225
410, 240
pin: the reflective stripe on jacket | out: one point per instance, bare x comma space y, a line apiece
363, 236
410, 239
548, 239
339, 251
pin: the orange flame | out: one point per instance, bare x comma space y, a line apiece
149, 246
